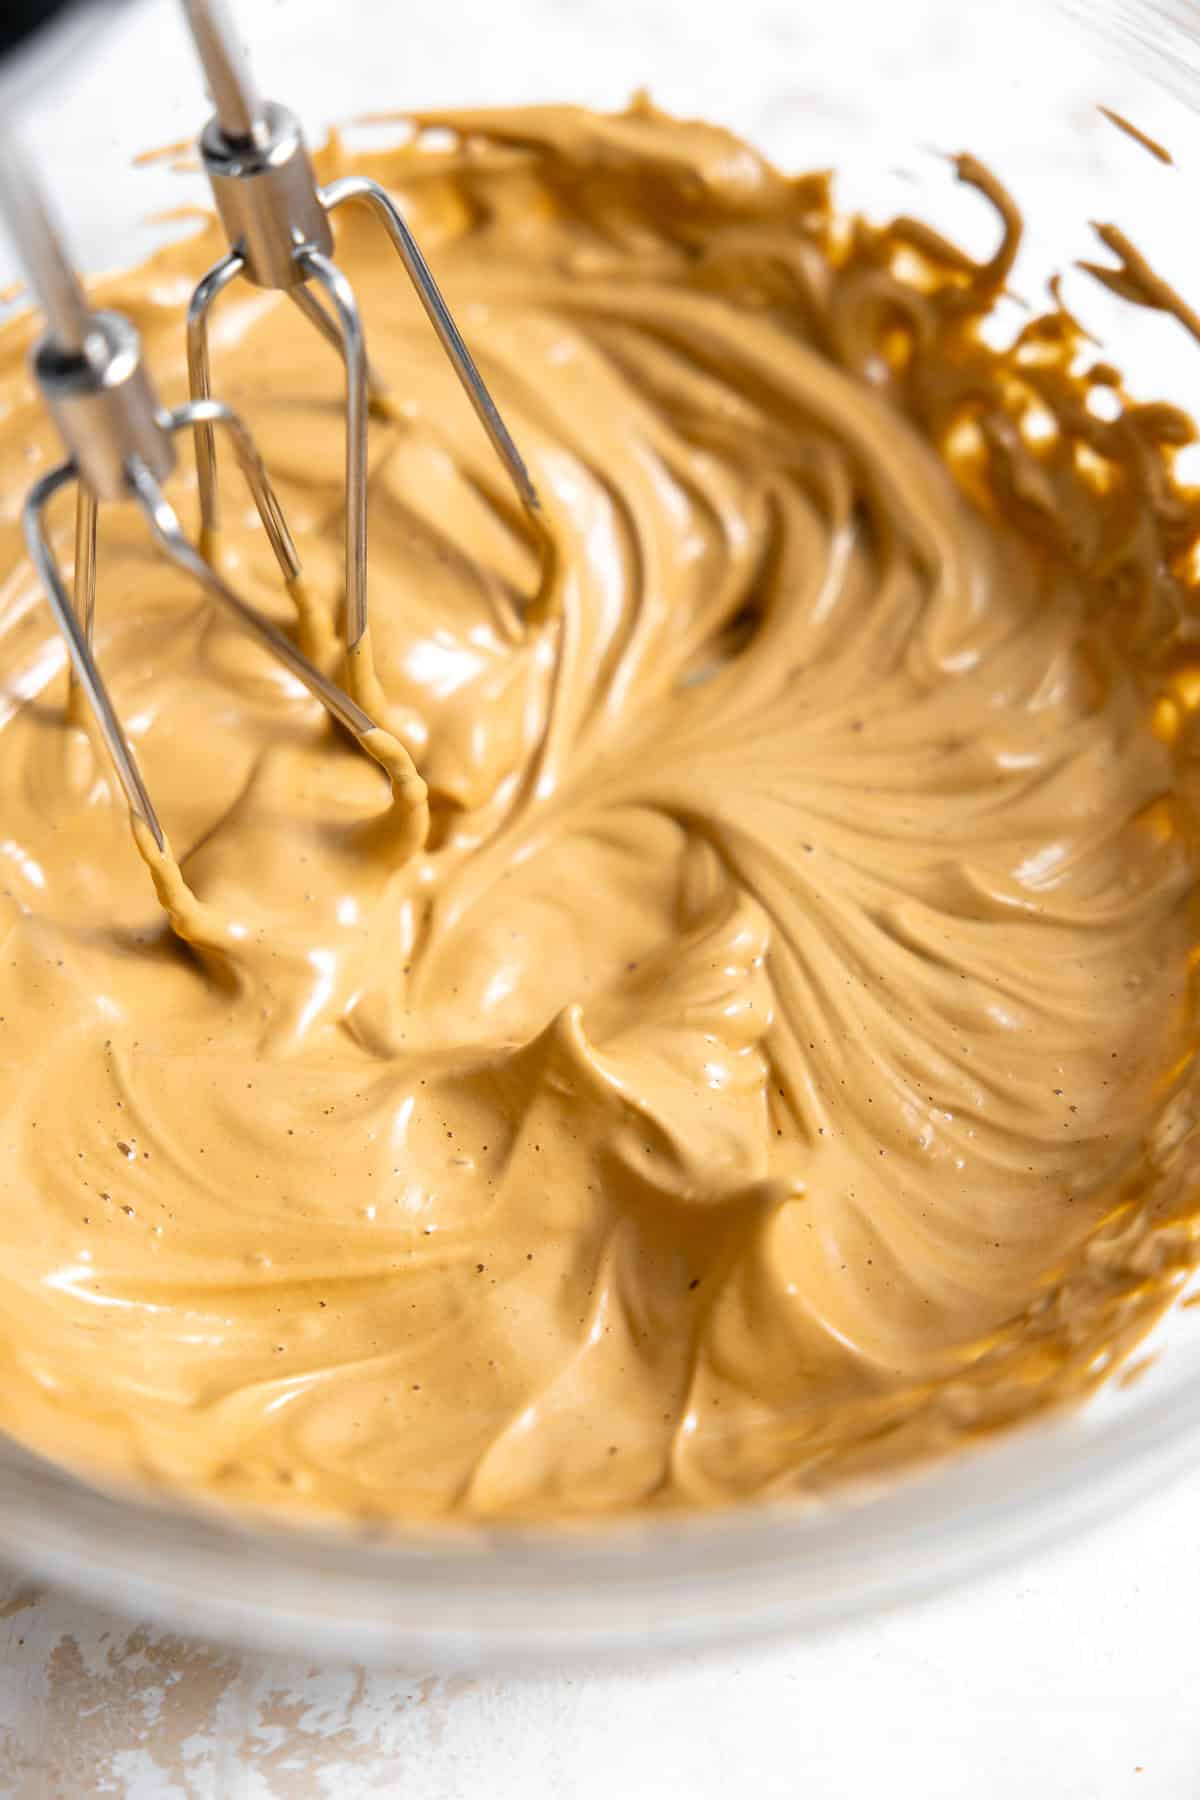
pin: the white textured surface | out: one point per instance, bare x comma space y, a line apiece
1073, 1678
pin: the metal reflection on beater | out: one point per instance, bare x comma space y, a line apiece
120, 439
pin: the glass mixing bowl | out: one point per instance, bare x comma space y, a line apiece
879, 92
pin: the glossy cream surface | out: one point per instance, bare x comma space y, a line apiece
752, 1046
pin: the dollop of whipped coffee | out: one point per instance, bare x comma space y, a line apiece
750, 1044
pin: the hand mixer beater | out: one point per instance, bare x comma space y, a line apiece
277, 220
90, 370
120, 443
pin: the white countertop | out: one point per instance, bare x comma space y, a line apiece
1071, 1678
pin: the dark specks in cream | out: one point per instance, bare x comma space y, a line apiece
666, 1082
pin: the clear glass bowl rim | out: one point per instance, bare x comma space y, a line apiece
471, 1597
465, 1597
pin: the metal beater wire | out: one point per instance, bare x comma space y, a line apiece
276, 218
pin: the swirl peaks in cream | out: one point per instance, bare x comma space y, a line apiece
751, 1046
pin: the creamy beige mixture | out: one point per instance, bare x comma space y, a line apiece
765, 1056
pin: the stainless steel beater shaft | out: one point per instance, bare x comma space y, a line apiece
120, 443
276, 218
